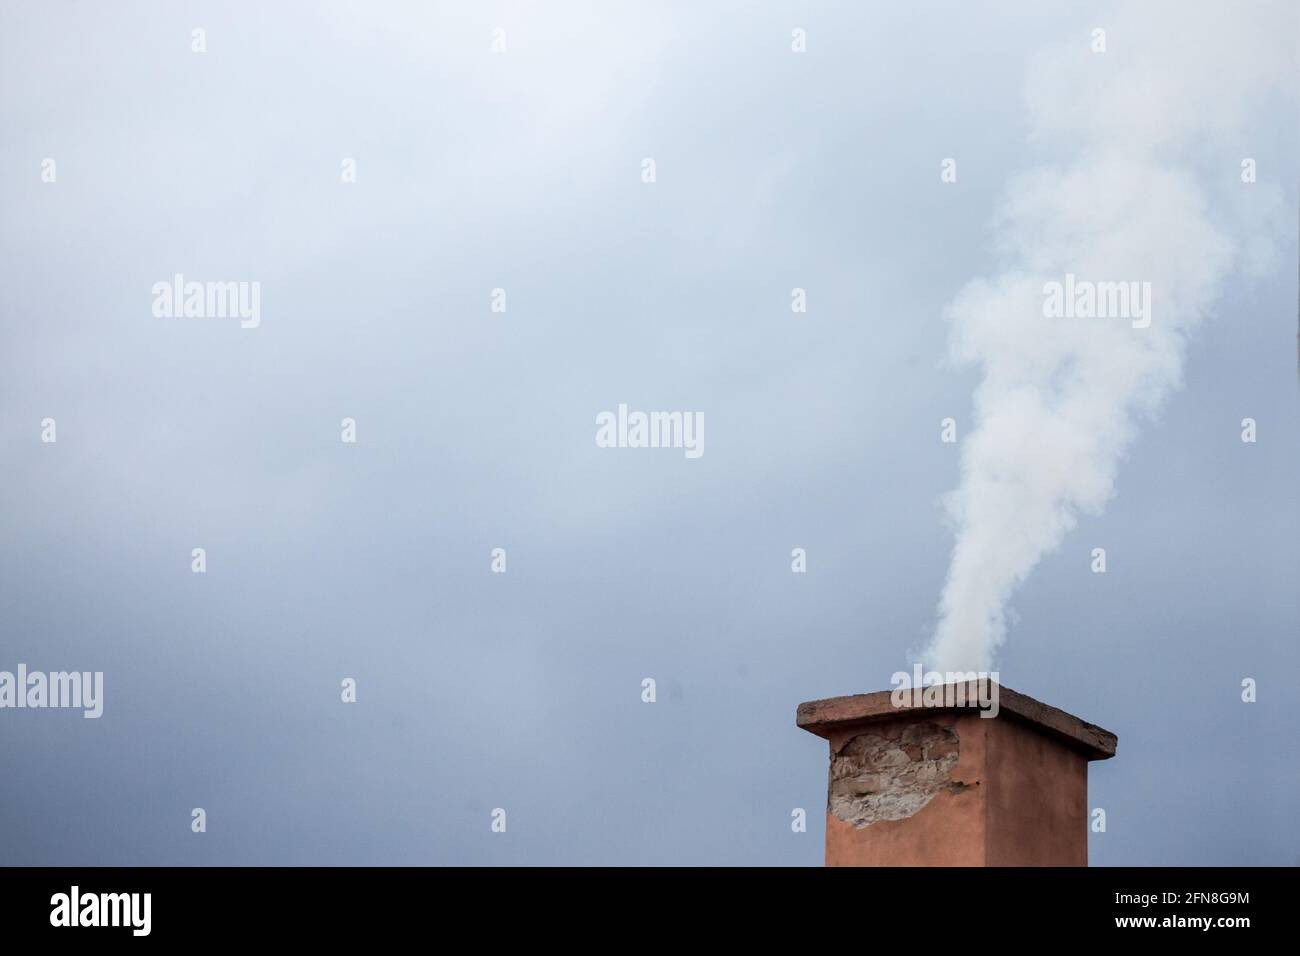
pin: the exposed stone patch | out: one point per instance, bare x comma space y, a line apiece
892, 771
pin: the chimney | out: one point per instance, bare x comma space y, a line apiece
941, 785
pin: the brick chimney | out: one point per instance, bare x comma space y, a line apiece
915, 785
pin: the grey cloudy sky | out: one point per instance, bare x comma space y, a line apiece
475, 431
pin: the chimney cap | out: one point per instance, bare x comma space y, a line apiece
823, 717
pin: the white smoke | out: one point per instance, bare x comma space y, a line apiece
1061, 398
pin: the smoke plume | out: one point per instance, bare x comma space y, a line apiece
1061, 398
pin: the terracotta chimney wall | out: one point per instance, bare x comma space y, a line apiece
943, 786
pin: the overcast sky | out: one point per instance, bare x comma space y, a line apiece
523, 170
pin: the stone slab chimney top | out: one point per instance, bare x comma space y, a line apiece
930, 782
